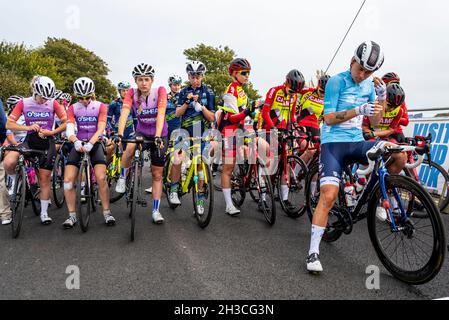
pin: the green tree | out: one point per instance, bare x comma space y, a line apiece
19, 64
74, 61
217, 61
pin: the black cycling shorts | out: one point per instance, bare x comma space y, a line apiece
46, 161
156, 159
97, 156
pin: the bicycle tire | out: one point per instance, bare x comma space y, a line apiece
436, 260
269, 215
238, 190
204, 219
18, 204
34, 196
299, 212
83, 218
330, 235
57, 182
135, 193
443, 203
217, 179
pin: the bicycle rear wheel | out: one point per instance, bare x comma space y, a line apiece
217, 178
238, 191
414, 253
296, 175
57, 182
18, 202
203, 200
134, 198
84, 208
34, 194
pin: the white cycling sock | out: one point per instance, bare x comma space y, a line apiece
228, 197
124, 173
13, 180
284, 190
317, 235
44, 206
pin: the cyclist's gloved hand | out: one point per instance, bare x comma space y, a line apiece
88, 147
78, 146
117, 139
369, 135
198, 107
381, 89
159, 142
367, 109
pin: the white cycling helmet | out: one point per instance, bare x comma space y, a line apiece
12, 101
196, 67
370, 56
67, 97
58, 94
174, 79
84, 87
143, 70
44, 87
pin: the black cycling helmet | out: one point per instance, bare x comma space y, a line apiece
395, 95
239, 64
323, 82
296, 80
391, 77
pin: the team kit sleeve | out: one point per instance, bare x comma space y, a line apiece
162, 98
267, 108
16, 112
405, 120
103, 115
128, 101
332, 95
71, 115
59, 110
210, 100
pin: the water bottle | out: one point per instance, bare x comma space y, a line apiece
349, 194
360, 184
31, 176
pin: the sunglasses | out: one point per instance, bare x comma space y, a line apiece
245, 73
196, 74
85, 98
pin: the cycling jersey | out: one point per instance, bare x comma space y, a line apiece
279, 109
390, 120
173, 121
232, 120
114, 112
311, 108
343, 94
147, 110
41, 114
193, 121
87, 118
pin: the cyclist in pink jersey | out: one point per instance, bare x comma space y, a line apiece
149, 105
39, 111
90, 118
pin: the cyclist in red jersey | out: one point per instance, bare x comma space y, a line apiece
391, 120
232, 117
393, 77
279, 112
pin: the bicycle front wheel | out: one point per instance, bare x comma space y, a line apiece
57, 182
84, 208
264, 190
18, 202
414, 251
203, 197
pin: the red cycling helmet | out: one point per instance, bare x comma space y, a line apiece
239, 64
391, 77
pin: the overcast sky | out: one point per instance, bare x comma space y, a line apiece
276, 36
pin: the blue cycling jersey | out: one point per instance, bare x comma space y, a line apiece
193, 121
170, 115
114, 112
343, 94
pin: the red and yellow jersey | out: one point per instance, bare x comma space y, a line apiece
390, 120
232, 121
236, 89
311, 108
279, 109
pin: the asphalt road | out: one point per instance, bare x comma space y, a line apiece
235, 258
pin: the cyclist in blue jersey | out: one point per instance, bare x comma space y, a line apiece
196, 106
349, 96
115, 109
